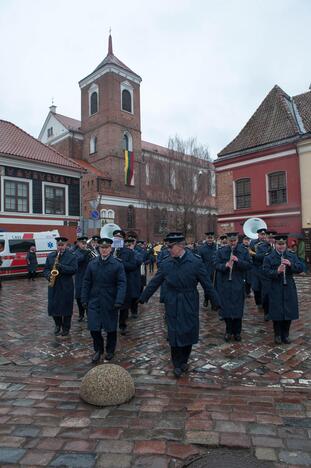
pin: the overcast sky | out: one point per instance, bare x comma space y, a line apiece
206, 65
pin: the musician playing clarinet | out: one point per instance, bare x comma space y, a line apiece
279, 266
231, 262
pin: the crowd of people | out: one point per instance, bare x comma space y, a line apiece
110, 280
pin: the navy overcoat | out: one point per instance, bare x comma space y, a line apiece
60, 297
83, 259
130, 263
207, 253
259, 280
231, 293
282, 299
161, 257
181, 301
104, 285
32, 262
134, 276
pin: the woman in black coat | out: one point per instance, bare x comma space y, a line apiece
32, 262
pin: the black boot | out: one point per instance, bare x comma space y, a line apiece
57, 330
96, 357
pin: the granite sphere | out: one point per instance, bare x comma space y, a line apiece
107, 385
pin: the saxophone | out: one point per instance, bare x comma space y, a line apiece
54, 272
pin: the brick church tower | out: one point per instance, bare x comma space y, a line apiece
110, 120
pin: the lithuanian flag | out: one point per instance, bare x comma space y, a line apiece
128, 167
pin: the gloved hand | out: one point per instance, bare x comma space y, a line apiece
117, 306
84, 306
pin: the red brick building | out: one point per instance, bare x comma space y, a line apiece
40, 188
258, 173
159, 190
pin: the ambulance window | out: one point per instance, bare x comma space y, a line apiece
1, 246
22, 245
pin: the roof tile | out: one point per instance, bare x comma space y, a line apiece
16, 142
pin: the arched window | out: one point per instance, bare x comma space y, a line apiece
93, 144
277, 188
126, 100
125, 142
94, 103
130, 217
242, 193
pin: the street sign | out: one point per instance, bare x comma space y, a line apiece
95, 214
78, 230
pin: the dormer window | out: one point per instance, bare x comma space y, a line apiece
50, 132
127, 97
93, 99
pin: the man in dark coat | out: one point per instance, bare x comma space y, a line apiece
83, 258
182, 271
207, 252
137, 277
248, 274
231, 263
163, 255
279, 267
130, 263
103, 292
32, 262
259, 248
60, 295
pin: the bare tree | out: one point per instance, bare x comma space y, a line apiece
191, 180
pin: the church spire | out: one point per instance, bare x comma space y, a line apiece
110, 51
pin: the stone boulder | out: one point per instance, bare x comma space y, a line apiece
107, 385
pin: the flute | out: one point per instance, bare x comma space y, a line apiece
231, 268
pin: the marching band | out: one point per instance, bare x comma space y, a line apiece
110, 279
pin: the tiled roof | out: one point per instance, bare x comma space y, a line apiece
16, 142
68, 122
111, 59
303, 103
278, 118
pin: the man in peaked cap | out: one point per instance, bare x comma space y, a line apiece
103, 293
279, 267
231, 262
207, 252
181, 271
83, 258
61, 289
259, 248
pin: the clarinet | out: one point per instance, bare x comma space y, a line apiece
284, 272
230, 273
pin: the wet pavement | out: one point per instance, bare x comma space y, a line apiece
252, 395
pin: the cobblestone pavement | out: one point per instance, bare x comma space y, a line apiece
252, 394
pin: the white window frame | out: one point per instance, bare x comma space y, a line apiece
52, 184
125, 85
93, 146
17, 179
267, 188
93, 89
147, 173
130, 140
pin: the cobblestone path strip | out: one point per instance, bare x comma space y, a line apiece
252, 395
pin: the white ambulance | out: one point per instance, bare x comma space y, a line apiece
15, 245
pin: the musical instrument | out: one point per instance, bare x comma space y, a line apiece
231, 268
284, 272
108, 229
54, 272
251, 226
